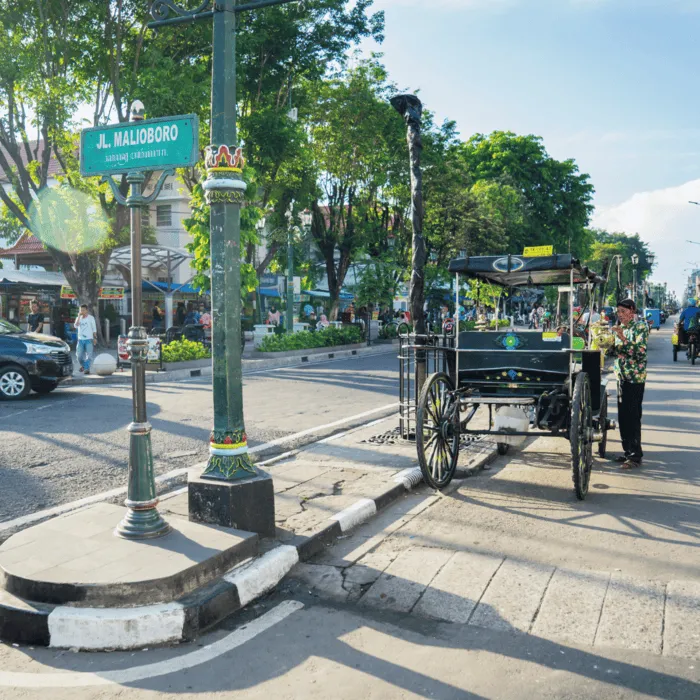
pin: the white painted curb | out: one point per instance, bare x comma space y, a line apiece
356, 514
96, 629
262, 575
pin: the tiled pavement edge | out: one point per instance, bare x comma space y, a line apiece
597, 609
338, 471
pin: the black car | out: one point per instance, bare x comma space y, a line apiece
30, 361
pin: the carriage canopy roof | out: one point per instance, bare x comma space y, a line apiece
519, 271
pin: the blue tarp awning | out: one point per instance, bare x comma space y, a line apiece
163, 286
269, 292
326, 295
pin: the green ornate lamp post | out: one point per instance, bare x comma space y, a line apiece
229, 459
142, 519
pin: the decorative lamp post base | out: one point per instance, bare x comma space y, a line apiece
142, 521
229, 459
244, 504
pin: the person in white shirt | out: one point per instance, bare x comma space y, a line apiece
87, 336
594, 317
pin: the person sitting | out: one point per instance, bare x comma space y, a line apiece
322, 322
192, 317
688, 319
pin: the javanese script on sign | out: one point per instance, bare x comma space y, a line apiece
153, 144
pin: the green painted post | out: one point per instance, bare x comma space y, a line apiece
290, 283
225, 190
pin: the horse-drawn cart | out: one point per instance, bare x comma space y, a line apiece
531, 382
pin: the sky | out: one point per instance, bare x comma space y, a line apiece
612, 84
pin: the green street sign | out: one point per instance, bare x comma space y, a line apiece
151, 144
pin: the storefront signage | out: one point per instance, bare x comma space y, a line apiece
111, 292
105, 293
151, 144
538, 250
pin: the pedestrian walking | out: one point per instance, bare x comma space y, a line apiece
631, 372
87, 337
35, 319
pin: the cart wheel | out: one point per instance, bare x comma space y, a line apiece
502, 448
675, 353
437, 431
580, 434
603, 426
692, 353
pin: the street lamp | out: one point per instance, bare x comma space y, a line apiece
635, 261
229, 460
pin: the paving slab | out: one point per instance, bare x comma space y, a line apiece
455, 591
682, 620
571, 607
401, 585
633, 614
513, 597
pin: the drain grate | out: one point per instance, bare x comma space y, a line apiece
393, 437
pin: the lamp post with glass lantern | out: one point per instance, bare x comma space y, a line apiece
635, 261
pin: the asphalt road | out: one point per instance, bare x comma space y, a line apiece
73, 443
299, 643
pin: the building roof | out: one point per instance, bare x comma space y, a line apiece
54, 165
26, 244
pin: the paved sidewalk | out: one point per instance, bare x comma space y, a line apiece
318, 482
592, 608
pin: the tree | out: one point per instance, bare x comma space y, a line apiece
606, 245
353, 132
556, 197
58, 55
282, 53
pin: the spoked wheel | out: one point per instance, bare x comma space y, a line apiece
580, 435
692, 353
437, 430
603, 426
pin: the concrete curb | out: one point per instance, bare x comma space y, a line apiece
107, 629
249, 366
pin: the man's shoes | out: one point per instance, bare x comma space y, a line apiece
87, 371
619, 458
630, 464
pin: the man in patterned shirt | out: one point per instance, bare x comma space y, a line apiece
631, 371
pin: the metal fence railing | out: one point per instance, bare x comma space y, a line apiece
412, 348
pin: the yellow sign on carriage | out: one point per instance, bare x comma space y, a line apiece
538, 250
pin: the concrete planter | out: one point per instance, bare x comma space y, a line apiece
305, 353
189, 364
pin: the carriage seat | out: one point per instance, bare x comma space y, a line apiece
513, 356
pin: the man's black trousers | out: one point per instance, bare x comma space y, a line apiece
629, 418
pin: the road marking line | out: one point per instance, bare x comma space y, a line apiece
38, 408
319, 428
75, 679
175, 473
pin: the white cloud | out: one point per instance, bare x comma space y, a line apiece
666, 221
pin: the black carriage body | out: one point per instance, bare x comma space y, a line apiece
529, 369
524, 365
